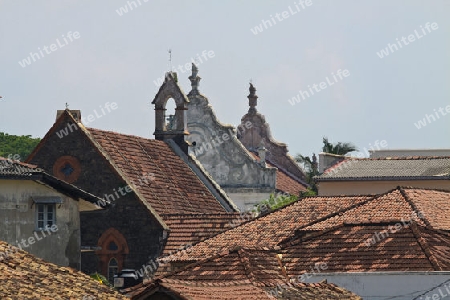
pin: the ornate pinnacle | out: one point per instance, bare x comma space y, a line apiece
195, 80
252, 99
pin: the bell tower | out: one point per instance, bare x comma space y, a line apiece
172, 127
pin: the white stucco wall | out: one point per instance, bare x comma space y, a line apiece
223, 156
244, 199
391, 285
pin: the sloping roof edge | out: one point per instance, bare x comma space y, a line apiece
103, 153
204, 177
124, 178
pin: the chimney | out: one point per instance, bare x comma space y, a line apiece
327, 160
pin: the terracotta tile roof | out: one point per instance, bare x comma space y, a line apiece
288, 184
174, 187
269, 230
345, 249
430, 206
261, 267
240, 290
434, 205
243, 290
239, 274
188, 229
24, 276
418, 167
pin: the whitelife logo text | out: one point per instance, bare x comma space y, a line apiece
49, 49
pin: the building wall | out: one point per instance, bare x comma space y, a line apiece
327, 160
259, 132
246, 199
18, 221
408, 152
330, 188
391, 285
222, 154
143, 234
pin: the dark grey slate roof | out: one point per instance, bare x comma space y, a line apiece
409, 168
10, 168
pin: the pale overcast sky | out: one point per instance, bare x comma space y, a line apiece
117, 56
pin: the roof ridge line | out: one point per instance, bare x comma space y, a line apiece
414, 207
425, 246
342, 210
298, 240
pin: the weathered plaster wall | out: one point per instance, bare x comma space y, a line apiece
245, 199
18, 217
260, 134
216, 146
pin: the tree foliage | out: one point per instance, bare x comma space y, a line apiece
275, 202
338, 148
100, 278
310, 171
13, 144
310, 168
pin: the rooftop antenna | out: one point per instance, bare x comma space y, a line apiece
170, 59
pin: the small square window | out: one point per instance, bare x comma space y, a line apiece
45, 215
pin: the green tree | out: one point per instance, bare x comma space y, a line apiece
13, 144
275, 202
338, 148
100, 278
310, 168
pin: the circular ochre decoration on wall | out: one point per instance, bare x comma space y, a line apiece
67, 168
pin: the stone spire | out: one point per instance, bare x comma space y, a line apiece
195, 80
252, 99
